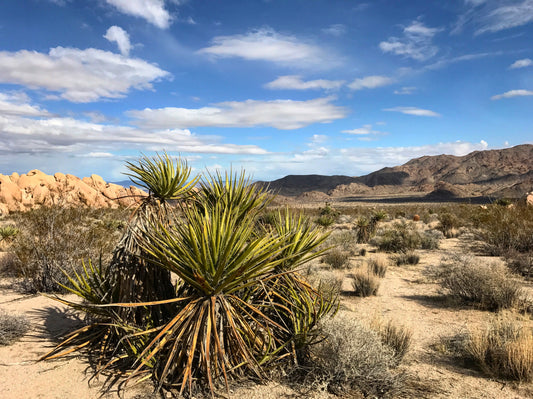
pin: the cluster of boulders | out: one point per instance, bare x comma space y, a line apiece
35, 189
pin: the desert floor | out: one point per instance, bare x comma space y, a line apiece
405, 295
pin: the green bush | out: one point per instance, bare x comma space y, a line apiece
448, 224
402, 237
8, 233
12, 327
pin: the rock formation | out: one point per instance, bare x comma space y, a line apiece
34, 189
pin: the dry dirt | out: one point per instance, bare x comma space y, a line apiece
405, 296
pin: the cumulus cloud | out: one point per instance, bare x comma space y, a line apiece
526, 62
268, 45
151, 10
370, 82
513, 93
280, 114
295, 82
78, 75
413, 111
416, 42
120, 37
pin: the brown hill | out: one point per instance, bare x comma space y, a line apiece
498, 173
34, 189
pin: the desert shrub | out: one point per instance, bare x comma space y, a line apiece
430, 239
336, 258
402, 237
396, 336
505, 229
12, 327
378, 265
503, 349
362, 252
408, 258
55, 238
488, 285
367, 226
325, 220
448, 224
352, 358
365, 283
344, 240
520, 263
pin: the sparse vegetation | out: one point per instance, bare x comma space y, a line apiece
408, 258
396, 336
503, 349
487, 285
378, 265
12, 327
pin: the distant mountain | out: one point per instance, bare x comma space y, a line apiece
507, 172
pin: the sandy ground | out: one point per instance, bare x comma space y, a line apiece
405, 296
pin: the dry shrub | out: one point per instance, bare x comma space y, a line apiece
409, 258
336, 258
12, 327
345, 240
503, 349
365, 283
396, 336
378, 265
55, 238
353, 358
490, 286
430, 239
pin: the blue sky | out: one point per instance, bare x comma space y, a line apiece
275, 87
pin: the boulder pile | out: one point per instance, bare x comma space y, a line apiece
35, 189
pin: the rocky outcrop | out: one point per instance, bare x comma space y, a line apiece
34, 189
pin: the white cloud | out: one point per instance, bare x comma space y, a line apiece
152, 10
366, 129
335, 30
120, 36
512, 93
268, 45
16, 104
295, 82
500, 15
78, 75
526, 62
413, 111
405, 90
370, 82
97, 155
416, 42
280, 114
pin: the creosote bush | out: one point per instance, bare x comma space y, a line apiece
352, 359
12, 327
503, 349
488, 285
402, 237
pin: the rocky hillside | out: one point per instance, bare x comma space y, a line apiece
499, 173
27, 191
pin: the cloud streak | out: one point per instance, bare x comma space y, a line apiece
513, 93
120, 37
152, 11
370, 82
279, 114
416, 42
413, 111
295, 82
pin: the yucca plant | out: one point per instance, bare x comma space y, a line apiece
237, 306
